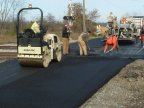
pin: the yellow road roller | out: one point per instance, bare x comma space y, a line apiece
36, 49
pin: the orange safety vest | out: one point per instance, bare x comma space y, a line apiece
142, 37
112, 40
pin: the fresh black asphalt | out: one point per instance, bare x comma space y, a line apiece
62, 85
67, 84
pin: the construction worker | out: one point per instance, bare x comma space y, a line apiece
142, 40
110, 17
83, 43
110, 20
112, 40
142, 37
65, 36
35, 27
123, 33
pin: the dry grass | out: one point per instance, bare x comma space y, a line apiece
7, 39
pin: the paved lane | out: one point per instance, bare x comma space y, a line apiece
126, 50
62, 85
11, 71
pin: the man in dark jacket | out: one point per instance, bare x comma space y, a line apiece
65, 36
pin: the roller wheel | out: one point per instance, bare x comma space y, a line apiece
59, 55
46, 57
46, 61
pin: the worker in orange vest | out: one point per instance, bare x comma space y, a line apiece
112, 40
142, 37
142, 40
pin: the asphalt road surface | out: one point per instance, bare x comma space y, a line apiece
67, 84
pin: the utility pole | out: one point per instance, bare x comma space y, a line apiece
84, 25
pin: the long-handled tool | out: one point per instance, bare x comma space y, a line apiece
108, 51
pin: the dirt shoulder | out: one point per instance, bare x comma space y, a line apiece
126, 90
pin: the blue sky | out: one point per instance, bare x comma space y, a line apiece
58, 8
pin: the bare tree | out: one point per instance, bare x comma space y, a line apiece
7, 9
50, 21
93, 15
17, 4
50, 18
77, 26
90, 17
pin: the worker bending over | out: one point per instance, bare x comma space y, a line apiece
142, 36
83, 43
112, 40
142, 40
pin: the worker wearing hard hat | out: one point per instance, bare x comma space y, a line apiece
83, 43
35, 27
112, 40
65, 36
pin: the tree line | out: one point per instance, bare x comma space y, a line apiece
8, 10
8, 17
